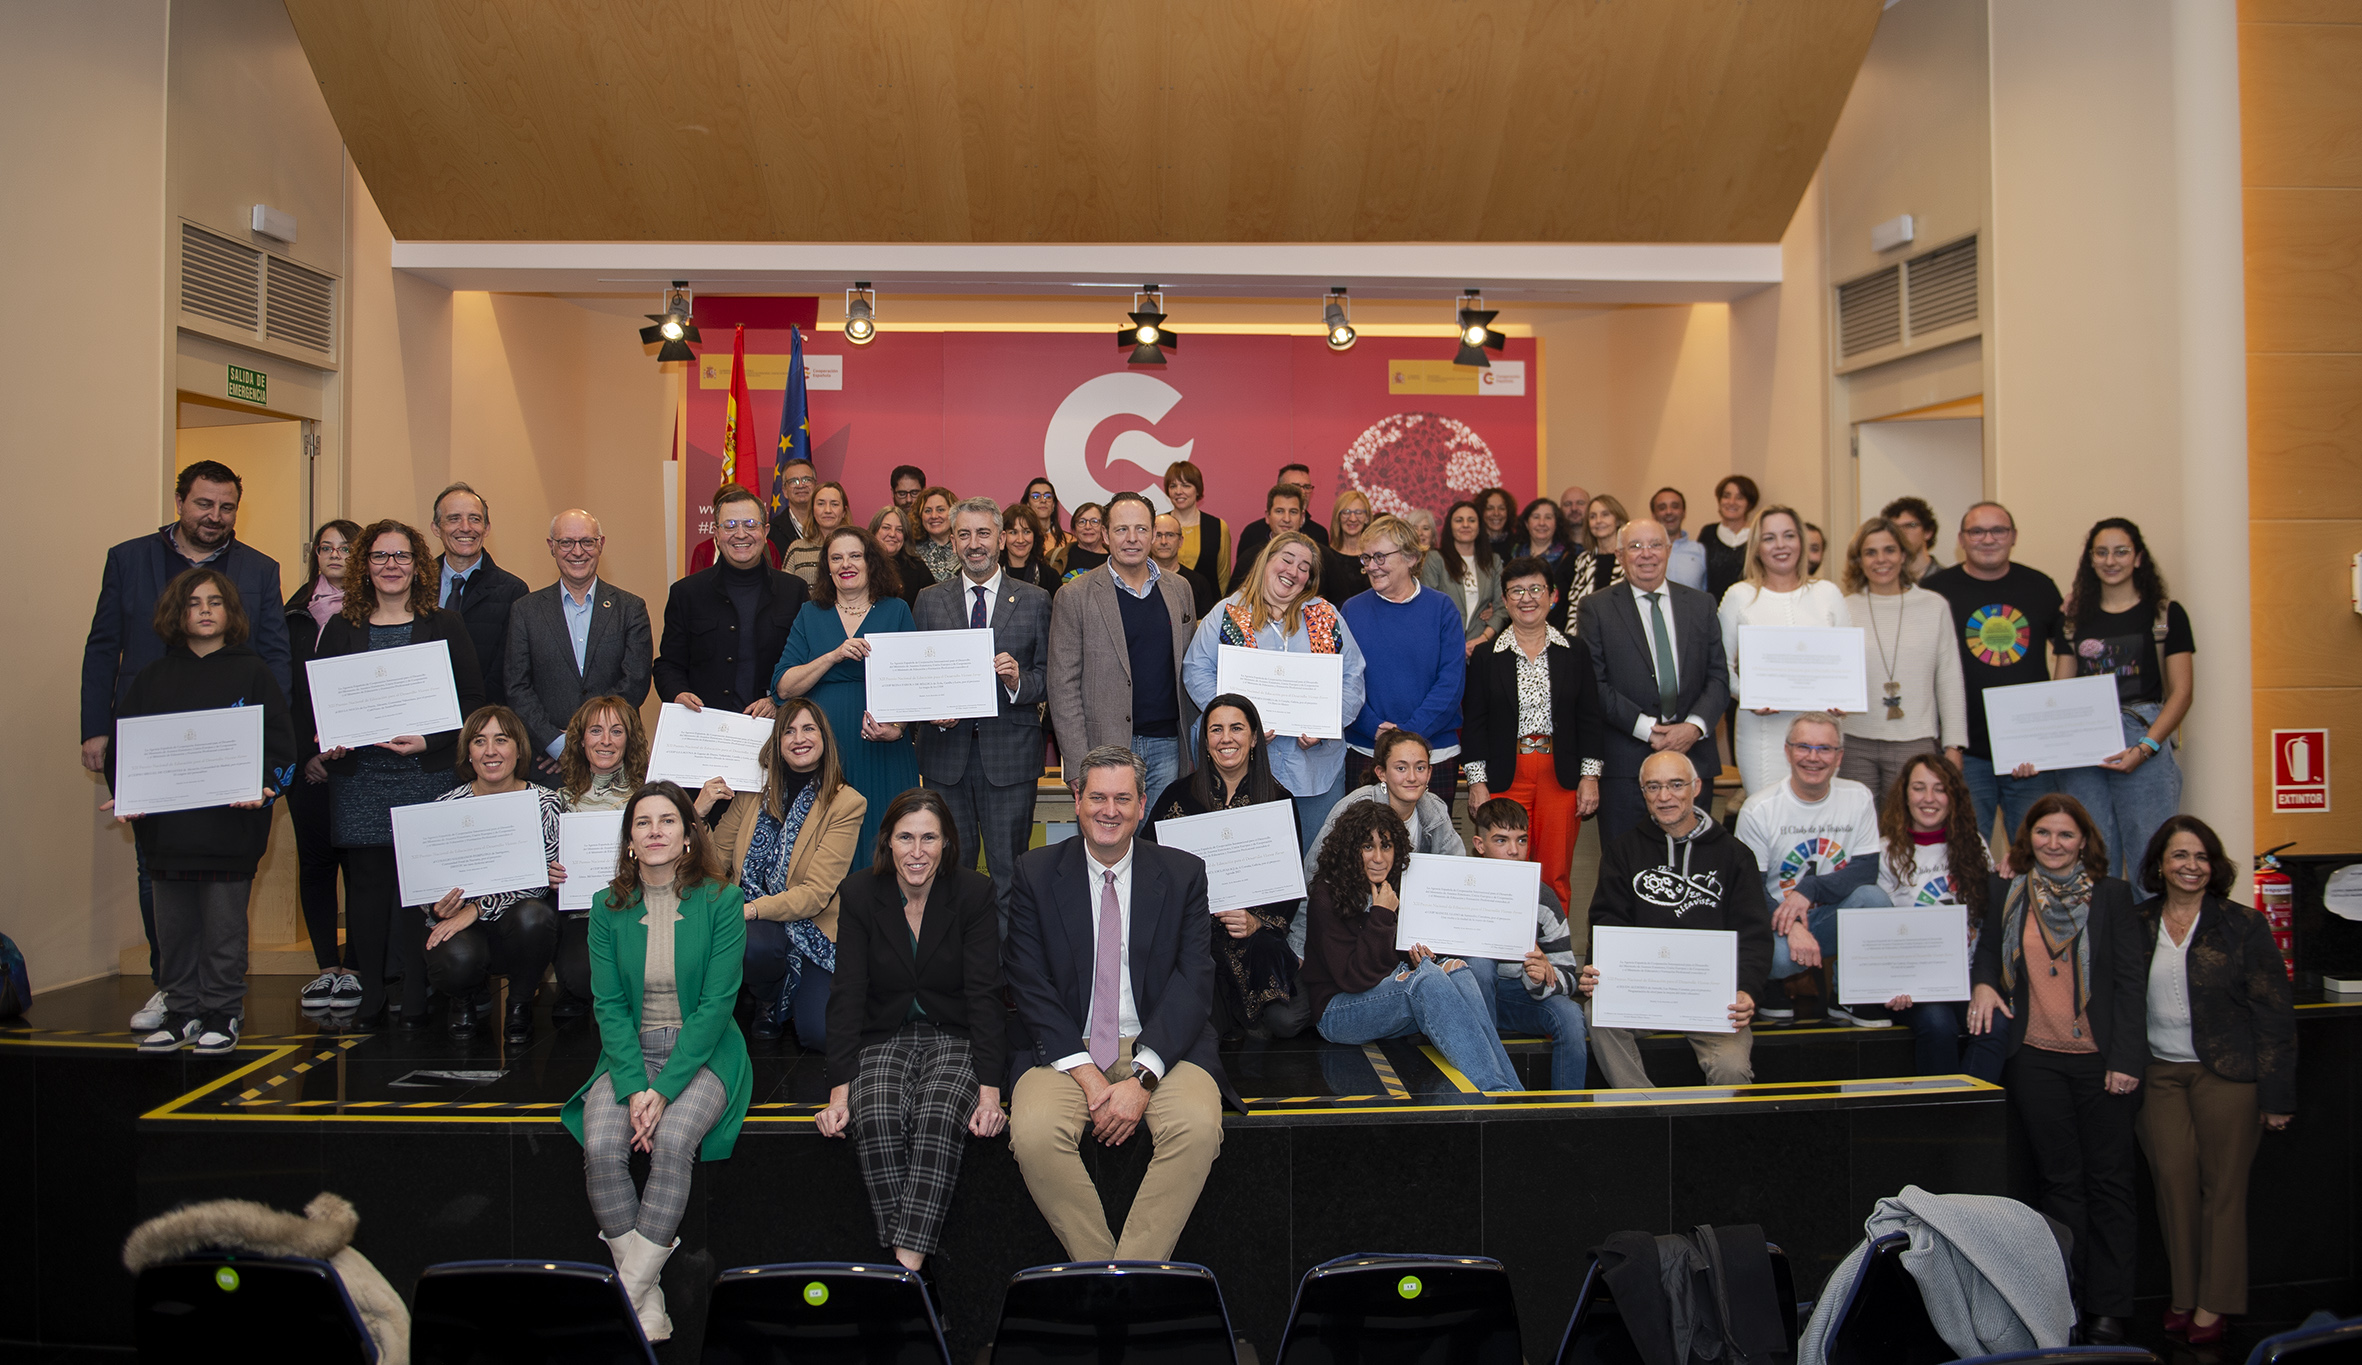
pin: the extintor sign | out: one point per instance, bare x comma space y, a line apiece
2300, 770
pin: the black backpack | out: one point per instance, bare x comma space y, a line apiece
1726, 1308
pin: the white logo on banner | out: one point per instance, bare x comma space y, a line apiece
1506, 379
1065, 445
822, 371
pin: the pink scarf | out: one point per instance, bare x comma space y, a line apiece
326, 601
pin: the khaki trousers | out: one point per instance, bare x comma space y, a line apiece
1727, 1058
1048, 1123
2200, 1132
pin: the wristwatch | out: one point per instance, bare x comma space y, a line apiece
1146, 1077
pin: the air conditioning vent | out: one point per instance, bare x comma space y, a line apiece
220, 279
298, 307
1870, 312
1943, 286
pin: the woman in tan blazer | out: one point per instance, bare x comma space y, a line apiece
789, 849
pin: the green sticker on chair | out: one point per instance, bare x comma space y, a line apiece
226, 1279
1408, 1286
815, 1293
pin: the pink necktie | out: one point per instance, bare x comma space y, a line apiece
1107, 978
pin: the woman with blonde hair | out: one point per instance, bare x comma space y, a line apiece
934, 547
1595, 565
1340, 560
829, 506
605, 760
1775, 592
788, 849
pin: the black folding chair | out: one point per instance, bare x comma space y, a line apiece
1883, 1320
1395, 1310
828, 1312
2069, 1355
2335, 1343
217, 1306
524, 1313
1165, 1312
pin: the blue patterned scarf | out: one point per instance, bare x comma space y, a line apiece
764, 873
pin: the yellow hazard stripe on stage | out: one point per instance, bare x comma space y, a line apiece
1395, 1089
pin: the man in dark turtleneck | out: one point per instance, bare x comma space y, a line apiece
725, 626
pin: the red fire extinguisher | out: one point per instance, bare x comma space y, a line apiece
2275, 896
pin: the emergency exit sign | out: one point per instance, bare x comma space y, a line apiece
252, 386
2300, 770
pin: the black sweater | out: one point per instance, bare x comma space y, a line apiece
1707, 881
218, 840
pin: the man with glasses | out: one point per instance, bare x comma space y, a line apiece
574, 639
1810, 826
908, 481
2004, 612
482, 592
793, 521
1915, 522
724, 627
1419, 638
1277, 517
1681, 871
1118, 633
1656, 653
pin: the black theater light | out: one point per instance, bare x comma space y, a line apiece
1337, 317
1148, 337
1476, 331
673, 327
861, 314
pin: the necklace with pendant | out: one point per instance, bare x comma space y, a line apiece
1894, 690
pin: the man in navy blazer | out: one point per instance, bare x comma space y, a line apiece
1111, 964
987, 767
1634, 629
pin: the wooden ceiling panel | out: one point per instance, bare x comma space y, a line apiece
1086, 120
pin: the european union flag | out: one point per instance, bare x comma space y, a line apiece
795, 421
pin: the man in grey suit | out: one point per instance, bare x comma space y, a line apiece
1656, 649
575, 639
1117, 636
985, 768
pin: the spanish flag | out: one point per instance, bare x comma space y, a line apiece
735, 417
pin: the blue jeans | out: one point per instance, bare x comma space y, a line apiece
767, 948
1449, 1007
1163, 757
1821, 922
1941, 1044
2014, 795
2128, 807
1555, 1017
1312, 810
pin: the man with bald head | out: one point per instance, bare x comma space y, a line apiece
1656, 651
1680, 870
575, 639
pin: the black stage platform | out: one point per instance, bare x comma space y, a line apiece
452, 1151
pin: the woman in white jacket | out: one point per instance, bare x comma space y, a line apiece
1775, 592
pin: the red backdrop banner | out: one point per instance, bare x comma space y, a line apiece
985, 412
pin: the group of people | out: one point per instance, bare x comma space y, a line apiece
1570, 663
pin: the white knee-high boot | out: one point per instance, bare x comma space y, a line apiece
640, 1263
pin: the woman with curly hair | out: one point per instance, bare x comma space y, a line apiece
1362, 989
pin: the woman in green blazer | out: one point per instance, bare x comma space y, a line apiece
673, 1079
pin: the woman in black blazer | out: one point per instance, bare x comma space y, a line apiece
2067, 968
2222, 1066
389, 602
1544, 751
914, 1018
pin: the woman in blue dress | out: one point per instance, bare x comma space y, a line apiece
857, 597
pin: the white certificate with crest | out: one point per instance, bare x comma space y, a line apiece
1803, 668
1296, 694
918, 675
1664, 980
1250, 853
692, 747
588, 843
480, 844
2068, 724
188, 760
1916, 950
372, 697
1469, 907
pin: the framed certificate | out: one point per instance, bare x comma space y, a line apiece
1802, 668
1469, 907
187, 760
692, 747
369, 698
2072, 723
1916, 950
1664, 980
479, 844
1249, 852
588, 844
1296, 694
920, 675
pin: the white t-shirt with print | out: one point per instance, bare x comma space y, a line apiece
1793, 838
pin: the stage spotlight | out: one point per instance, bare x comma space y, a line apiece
673, 328
861, 323
1338, 319
1476, 331
1148, 337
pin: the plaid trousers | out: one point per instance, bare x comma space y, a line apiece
607, 1148
911, 1102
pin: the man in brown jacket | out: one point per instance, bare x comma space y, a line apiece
1117, 635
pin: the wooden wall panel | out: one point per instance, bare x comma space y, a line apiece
2301, 126
2304, 436
2298, 12
2339, 709
2310, 632
2304, 268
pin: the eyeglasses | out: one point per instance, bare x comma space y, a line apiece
1987, 532
1815, 750
390, 557
2112, 552
1526, 593
741, 523
1665, 788
1382, 556
801, 481
576, 543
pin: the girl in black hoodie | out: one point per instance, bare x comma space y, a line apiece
203, 861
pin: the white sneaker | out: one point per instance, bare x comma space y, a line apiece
168, 1035
150, 1016
347, 993
1862, 1016
217, 1035
317, 991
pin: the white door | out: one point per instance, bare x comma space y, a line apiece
1942, 461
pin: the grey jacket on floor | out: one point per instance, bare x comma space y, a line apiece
1988, 1269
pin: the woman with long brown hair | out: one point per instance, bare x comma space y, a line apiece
513, 933
667, 938
605, 760
390, 589
788, 847
1912, 664
1463, 568
309, 609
